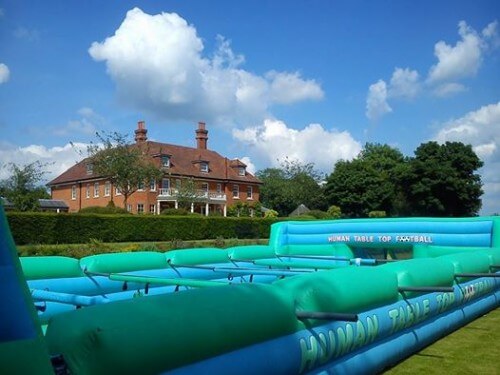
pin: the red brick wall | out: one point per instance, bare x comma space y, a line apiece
145, 197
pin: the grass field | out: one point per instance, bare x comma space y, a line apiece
473, 349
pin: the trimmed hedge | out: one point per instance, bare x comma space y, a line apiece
50, 228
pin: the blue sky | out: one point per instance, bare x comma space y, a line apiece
308, 80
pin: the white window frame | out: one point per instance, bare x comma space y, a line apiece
152, 208
87, 191
241, 171
165, 161
250, 192
152, 185
96, 190
140, 186
204, 167
73, 192
129, 207
236, 191
140, 208
90, 168
219, 189
107, 189
118, 191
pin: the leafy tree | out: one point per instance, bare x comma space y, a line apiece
293, 183
442, 181
367, 183
127, 166
22, 188
334, 212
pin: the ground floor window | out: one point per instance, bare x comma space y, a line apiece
236, 191
140, 208
152, 208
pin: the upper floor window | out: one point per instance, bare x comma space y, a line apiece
107, 189
236, 191
73, 192
165, 161
204, 187
152, 185
241, 171
140, 186
249, 192
219, 188
118, 191
90, 168
96, 190
204, 166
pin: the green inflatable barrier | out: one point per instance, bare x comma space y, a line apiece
346, 290
414, 273
192, 257
337, 250
123, 262
50, 267
155, 334
250, 252
465, 263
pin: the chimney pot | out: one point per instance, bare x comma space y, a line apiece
141, 132
201, 136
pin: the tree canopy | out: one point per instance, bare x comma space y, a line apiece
366, 183
292, 184
126, 166
440, 180
22, 189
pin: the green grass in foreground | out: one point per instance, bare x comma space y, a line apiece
473, 349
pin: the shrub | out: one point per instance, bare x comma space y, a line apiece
51, 228
270, 214
318, 214
110, 209
334, 212
375, 214
175, 211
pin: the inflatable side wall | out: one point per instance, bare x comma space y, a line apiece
22, 348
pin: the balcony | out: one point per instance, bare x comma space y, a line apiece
172, 194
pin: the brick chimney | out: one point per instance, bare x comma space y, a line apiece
141, 132
201, 136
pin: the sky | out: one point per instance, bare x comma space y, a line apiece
307, 80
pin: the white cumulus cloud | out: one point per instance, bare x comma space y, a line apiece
404, 83
465, 57
4, 73
481, 129
376, 101
448, 89
57, 159
273, 141
158, 64
86, 124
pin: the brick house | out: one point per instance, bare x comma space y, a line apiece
219, 181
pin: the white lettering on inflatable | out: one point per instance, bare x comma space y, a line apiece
370, 238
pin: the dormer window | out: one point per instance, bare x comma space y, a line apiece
90, 168
204, 166
165, 161
241, 171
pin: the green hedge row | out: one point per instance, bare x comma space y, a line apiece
48, 228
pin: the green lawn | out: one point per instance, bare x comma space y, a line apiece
473, 349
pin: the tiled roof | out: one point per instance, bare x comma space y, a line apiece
184, 161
